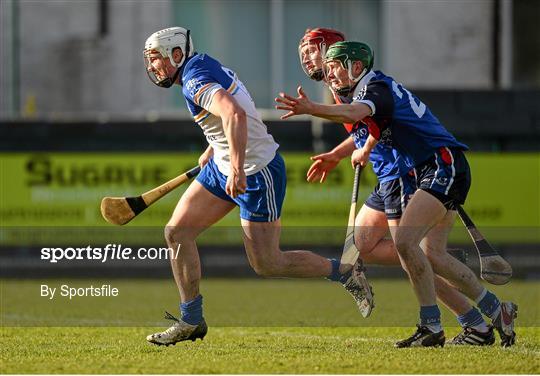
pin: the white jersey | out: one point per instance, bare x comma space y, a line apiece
203, 76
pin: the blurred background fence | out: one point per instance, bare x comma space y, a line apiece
79, 120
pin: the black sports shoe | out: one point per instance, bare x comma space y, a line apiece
504, 323
471, 336
423, 338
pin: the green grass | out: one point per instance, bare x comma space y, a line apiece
253, 350
256, 326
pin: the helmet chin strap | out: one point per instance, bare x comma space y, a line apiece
345, 91
168, 82
355, 80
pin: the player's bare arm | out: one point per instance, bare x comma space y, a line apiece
340, 113
235, 125
361, 156
326, 162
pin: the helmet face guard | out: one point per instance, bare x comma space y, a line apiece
311, 56
158, 75
159, 47
341, 88
312, 48
347, 53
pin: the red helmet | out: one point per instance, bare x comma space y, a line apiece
312, 48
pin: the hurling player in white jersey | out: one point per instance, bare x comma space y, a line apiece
372, 222
241, 168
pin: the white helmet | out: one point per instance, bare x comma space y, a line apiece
162, 43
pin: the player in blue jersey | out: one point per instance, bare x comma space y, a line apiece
383, 209
385, 204
241, 167
394, 115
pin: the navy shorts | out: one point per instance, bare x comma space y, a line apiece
446, 176
391, 197
265, 191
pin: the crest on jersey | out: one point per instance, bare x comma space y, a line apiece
386, 137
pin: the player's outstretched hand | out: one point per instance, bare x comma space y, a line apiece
359, 157
236, 183
322, 165
295, 106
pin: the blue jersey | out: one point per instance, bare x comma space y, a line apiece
387, 163
400, 117
200, 74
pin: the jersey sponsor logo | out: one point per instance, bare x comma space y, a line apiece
193, 86
359, 133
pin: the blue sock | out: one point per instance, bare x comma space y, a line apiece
489, 304
336, 276
473, 319
192, 311
430, 316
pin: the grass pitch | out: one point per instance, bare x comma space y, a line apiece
256, 326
